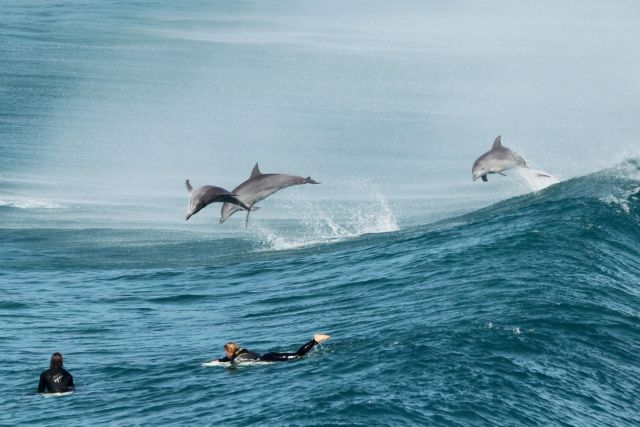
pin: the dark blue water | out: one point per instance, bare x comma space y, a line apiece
449, 302
525, 312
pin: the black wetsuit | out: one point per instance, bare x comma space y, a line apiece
55, 381
244, 354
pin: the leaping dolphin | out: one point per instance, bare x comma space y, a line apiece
496, 160
206, 195
258, 187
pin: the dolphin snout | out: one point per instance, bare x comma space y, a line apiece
186, 218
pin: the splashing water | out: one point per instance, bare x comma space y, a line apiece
322, 225
536, 179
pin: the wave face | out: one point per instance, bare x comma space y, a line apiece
525, 311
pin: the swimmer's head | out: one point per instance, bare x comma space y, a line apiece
230, 348
56, 361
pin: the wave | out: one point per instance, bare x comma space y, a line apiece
550, 200
601, 208
615, 186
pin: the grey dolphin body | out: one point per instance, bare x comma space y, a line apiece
496, 160
258, 187
207, 194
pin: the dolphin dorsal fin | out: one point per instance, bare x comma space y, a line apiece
188, 185
255, 172
497, 143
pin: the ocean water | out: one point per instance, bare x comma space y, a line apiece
449, 302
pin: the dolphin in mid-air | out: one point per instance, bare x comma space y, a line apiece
496, 160
259, 186
207, 194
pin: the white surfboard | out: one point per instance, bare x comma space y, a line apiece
65, 393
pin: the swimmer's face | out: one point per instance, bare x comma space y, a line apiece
228, 352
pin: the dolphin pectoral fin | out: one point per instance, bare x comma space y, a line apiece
188, 185
309, 180
251, 209
502, 174
544, 175
484, 178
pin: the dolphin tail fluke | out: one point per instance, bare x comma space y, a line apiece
309, 180
188, 185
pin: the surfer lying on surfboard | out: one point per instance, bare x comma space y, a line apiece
235, 354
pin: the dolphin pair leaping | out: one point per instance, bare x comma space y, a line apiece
244, 196
497, 160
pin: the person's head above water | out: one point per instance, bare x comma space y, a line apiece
56, 361
230, 348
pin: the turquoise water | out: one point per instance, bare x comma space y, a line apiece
449, 302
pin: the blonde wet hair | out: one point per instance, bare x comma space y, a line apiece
231, 346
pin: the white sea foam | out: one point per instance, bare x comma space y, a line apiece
536, 179
621, 200
30, 204
627, 171
60, 394
322, 224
